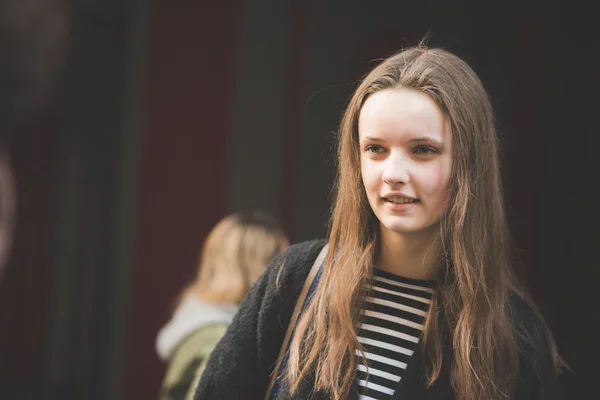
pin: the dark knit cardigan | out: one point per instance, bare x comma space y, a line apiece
240, 365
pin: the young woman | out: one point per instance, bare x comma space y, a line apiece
417, 298
235, 253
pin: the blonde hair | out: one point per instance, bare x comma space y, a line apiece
234, 255
470, 312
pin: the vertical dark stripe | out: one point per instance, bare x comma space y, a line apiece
25, 282
294, 119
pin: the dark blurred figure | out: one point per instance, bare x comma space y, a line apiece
32, 37
32, 40
235, 253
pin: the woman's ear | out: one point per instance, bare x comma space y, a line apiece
7, 210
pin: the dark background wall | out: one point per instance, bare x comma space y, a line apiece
183, 167
168, 115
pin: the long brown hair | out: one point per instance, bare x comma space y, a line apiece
234, 254
470, 313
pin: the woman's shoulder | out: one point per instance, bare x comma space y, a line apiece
198, 344
191, 353
526, 317
539, 361
302, 252
534, 337
288, 271
203, 339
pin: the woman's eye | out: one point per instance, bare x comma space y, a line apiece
374, 148
425, 150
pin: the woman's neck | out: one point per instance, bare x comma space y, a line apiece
412, 256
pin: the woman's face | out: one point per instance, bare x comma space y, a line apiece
406, 159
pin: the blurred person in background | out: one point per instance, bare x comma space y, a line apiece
32, 41
234, 255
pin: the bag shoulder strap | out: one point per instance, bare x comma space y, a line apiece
295, 315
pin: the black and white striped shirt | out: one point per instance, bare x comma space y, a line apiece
390, 331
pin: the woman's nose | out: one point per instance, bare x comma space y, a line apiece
396, 169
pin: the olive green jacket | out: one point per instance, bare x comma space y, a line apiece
188, 362
186, 341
